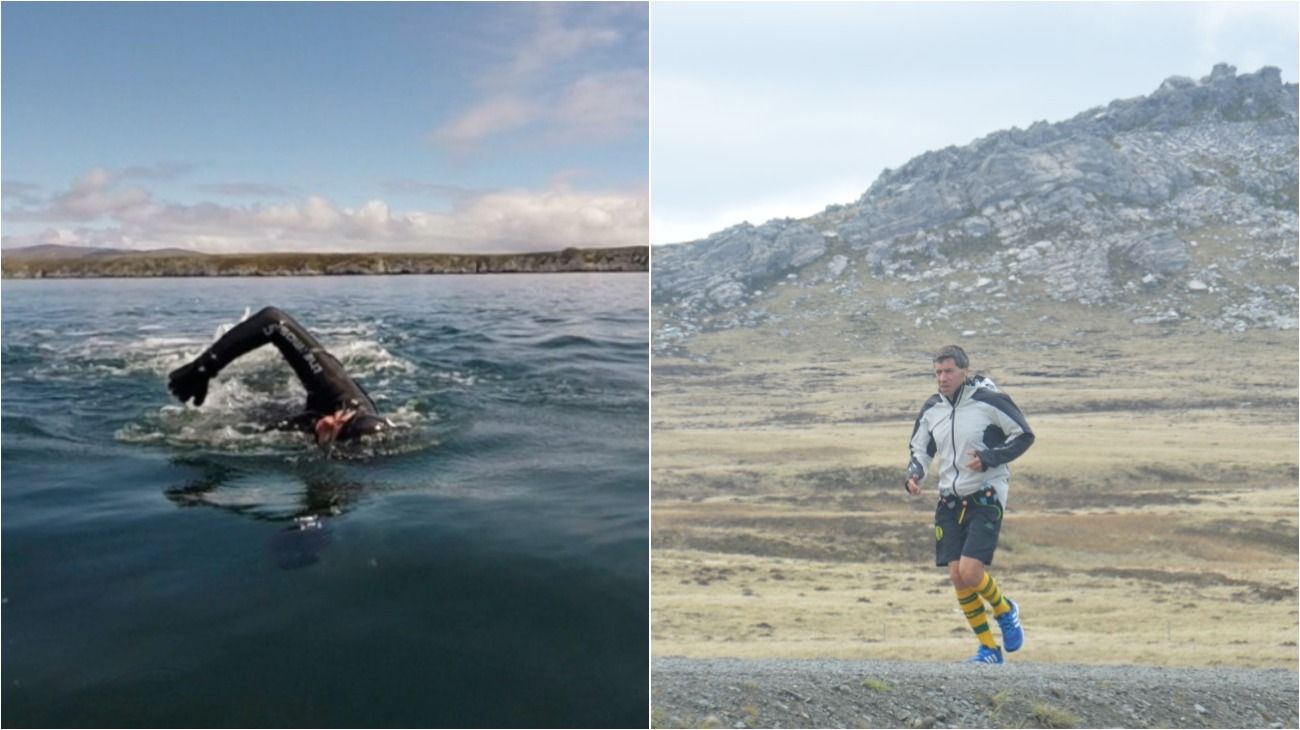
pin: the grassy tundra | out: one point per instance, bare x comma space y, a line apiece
1154, 521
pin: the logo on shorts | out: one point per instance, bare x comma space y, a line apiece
938, 532
990, 526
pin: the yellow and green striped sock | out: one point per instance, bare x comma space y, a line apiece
973, 607
989, 589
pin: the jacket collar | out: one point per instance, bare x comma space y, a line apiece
961, 390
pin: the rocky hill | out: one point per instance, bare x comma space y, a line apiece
1179, 207
97, 263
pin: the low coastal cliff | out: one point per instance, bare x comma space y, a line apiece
627, 258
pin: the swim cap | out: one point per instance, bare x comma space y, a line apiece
363, 424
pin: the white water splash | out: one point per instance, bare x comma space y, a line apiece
256, 390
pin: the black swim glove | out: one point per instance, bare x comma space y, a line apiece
191, 381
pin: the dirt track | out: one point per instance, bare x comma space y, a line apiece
733, 693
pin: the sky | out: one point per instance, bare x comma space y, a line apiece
772, 110
242, 127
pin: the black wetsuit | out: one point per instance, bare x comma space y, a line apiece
329, 389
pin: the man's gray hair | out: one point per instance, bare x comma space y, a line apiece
954, 353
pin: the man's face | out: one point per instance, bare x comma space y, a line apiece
328, 427
949, 376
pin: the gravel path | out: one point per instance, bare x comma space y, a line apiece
824, 693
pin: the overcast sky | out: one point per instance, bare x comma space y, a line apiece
767, 110
325, 126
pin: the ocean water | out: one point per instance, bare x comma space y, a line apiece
166, 565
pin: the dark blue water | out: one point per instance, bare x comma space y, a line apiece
176, 566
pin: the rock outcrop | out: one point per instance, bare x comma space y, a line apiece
719, 270
1106, 208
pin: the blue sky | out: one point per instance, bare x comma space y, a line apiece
767, 110
325, 126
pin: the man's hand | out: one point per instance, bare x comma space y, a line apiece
913, 484
974, 464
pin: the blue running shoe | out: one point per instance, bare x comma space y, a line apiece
986, 656
1013, 635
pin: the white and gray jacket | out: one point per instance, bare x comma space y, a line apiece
979, 418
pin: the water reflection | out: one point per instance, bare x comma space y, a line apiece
304, 506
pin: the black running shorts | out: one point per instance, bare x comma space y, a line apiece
967, 526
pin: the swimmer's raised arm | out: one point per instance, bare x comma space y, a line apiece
330, 392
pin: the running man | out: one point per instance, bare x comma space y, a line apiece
337, 408
975, 431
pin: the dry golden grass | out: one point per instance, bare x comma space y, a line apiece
1154, 521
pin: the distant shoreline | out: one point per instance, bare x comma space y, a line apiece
571, 260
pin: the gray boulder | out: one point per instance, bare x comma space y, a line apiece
727, 262
1161, 253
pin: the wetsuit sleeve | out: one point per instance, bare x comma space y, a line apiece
1010, 423
327, 385
922, 445
271, 325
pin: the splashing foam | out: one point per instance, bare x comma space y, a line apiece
256, 390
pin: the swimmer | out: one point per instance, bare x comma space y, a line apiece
338, 409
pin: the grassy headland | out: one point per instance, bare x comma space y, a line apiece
627, 258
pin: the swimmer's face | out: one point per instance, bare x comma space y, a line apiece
328, 427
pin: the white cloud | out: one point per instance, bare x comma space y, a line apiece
598, 106
557, 217
319, 214
553, 41
91, 197
604, 105
243, 190
549, 83
502, 221
486, 118
407, 186
371, 220
59, 236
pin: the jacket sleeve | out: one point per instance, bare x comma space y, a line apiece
1010, 422
922, 446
